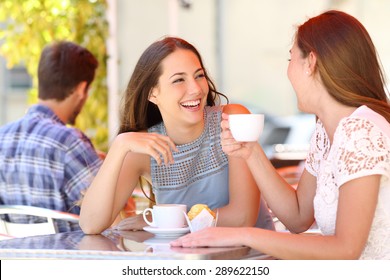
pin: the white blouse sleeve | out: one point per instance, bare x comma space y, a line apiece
362, 149
319, 147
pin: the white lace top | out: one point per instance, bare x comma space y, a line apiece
361, 147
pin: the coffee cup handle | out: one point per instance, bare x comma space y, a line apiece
152, 224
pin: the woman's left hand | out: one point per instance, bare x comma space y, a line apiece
132, 223
211, 237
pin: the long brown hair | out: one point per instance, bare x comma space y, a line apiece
137, 112
347, 60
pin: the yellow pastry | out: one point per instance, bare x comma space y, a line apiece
197, 208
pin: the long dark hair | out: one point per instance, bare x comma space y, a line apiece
137, 112
347, 60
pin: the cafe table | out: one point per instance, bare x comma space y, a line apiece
116, 245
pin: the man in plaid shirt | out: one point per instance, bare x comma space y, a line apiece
44, 162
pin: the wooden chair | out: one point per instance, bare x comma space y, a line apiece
10, 229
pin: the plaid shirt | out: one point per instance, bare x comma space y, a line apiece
44, 163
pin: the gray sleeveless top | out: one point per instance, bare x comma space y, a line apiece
200, 171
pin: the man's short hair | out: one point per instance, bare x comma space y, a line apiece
62, 66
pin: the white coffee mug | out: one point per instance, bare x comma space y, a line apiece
246, 127
166, 215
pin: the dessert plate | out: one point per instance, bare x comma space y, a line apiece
167, 232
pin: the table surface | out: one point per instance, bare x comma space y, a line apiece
113, 244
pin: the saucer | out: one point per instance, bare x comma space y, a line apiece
167, 232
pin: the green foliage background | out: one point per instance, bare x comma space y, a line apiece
32, 24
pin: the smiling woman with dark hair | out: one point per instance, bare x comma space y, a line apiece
169, 135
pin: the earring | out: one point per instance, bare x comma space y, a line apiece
308, 72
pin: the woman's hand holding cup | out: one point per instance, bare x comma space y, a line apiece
240, 132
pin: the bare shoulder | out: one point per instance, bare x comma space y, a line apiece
235, 109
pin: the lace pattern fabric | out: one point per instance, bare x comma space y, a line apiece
360, 148
199, 171
194, 160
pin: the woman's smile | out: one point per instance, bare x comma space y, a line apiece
192, 105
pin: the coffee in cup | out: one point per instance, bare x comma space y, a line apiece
246, 127
166, 215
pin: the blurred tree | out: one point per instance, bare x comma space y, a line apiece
29, 25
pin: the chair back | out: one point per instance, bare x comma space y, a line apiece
12, 229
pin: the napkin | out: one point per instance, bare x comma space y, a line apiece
203, 220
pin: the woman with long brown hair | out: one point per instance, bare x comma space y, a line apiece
345, 185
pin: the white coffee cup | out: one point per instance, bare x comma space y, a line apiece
166, 215
246, 127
